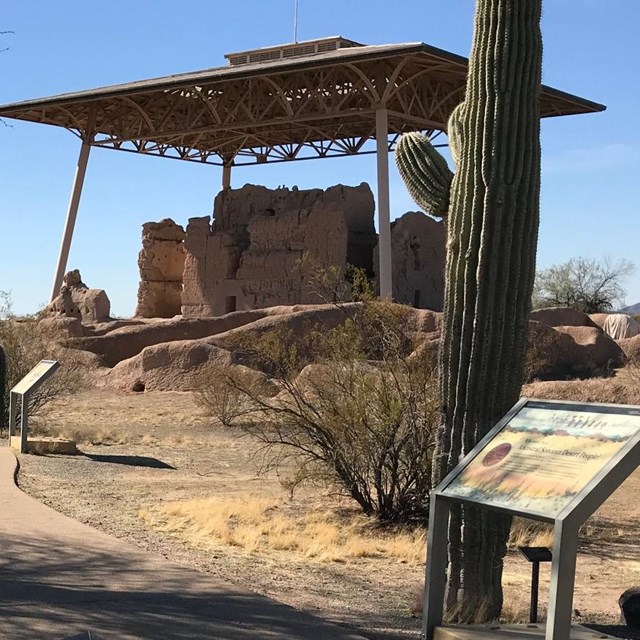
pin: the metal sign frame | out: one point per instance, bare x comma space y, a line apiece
566, 523
21, 393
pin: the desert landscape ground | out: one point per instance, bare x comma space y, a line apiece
145, 458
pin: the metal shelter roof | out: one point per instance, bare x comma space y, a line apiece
311, 106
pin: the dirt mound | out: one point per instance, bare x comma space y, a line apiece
119, 340
142, 356
631, 348
562, 317
125, 342
569, 351
64, 326
609, 390
171, 366
597, 351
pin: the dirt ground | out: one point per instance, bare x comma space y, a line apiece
139, 451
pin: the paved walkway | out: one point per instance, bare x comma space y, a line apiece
60, 578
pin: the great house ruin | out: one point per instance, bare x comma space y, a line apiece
249, 255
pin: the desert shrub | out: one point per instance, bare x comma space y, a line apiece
335, 284
26, 341
360, 414
226, 402
540, 347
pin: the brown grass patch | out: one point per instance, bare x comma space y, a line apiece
621, 388
262, 525
527, 533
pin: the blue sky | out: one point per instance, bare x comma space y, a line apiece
591, 164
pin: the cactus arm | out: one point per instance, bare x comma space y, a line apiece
454, 133
425, 173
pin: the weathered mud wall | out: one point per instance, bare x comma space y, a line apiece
418, 252
161, 263
249, 257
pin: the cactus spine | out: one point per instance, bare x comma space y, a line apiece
492, 236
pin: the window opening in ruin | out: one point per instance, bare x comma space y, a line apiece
414, 245
416, 298
230, 304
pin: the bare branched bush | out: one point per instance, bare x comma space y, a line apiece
356, 408
335, 285
225, 401
26, 341
585, 284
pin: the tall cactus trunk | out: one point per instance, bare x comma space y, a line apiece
3, 384
492, 238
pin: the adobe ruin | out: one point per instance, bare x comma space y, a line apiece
248, 256
161, 264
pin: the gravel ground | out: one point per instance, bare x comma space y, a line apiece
144, 459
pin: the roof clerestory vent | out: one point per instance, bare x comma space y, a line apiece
287, 51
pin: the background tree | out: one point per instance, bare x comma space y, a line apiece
493, 216
585, 284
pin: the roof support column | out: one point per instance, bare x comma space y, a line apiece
72, 213
384, 217
226, 176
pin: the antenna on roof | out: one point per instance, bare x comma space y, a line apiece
295, 22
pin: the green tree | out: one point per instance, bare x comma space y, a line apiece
493, 216
585, 284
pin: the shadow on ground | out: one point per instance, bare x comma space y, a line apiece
618, 631
130, 461
48, 591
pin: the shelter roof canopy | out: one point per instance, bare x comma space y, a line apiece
311, 106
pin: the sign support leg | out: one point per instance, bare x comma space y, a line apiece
535, 585
563, 573
13, 413
436, 571
24, 422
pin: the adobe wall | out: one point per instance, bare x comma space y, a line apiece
161, 264
418, 253
248, 257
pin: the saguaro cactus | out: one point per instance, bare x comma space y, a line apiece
492, 224
3, 384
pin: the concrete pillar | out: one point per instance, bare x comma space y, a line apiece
384, 216
72, 213
226, 176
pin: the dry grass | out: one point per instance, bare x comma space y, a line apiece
42, 428
526, 533
623, 387
262, 525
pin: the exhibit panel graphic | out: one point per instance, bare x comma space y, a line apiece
544, 456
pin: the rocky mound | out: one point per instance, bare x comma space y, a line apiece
76, 300
171, 366
171, 354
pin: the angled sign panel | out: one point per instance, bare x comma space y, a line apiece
544, 456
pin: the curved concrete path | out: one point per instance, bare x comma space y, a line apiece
60, 578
